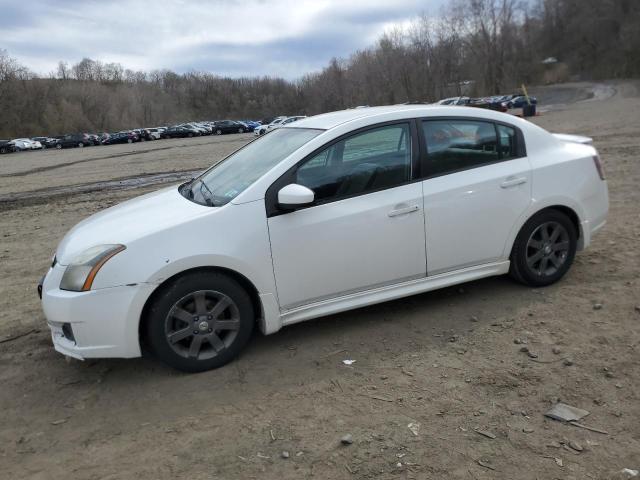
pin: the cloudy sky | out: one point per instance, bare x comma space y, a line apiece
229, 37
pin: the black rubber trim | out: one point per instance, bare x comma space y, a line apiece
271, 196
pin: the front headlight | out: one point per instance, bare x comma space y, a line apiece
79, 275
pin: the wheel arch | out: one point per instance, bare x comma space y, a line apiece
569, 211
240, 278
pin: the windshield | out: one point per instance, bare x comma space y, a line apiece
226, 180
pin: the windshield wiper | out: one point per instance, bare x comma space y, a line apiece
208, 197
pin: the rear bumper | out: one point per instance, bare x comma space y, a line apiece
596, 209
103, 323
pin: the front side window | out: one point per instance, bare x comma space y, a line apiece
227, 179
372, 160
454, 145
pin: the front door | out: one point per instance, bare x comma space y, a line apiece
366, 227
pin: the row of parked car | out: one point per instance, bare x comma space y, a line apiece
183, 130
501, 103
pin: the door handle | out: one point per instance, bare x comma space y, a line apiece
512, 182
404, 210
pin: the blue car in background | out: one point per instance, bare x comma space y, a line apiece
519, 101
251, 125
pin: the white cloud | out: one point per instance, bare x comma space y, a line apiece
227, 37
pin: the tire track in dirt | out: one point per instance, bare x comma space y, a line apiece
47, 168
44, 195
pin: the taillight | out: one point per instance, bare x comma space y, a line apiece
598, 164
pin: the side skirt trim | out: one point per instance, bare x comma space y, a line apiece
392, 292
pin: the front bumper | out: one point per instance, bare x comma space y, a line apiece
99, 323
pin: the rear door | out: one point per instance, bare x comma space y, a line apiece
478, 185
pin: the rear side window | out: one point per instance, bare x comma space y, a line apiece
454, 145
507, 142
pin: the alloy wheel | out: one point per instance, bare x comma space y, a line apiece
202, 324
547, 249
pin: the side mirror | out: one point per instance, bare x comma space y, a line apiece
295, 196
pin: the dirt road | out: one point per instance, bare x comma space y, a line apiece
447, 362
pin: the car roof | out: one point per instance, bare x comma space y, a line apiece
327, 121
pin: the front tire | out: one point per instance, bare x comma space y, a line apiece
218, 132
200, 321
544, 249
81, 145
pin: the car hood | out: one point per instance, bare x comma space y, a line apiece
130, 221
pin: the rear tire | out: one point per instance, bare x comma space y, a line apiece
544, 249
200, 321
58, 146
218, 132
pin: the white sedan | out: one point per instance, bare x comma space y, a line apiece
324, 215
262, 129
26, 144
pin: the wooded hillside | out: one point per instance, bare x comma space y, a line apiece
483, 46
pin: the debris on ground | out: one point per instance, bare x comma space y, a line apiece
485, 464
414, 427
566, 413
576, 446
348, 362
485, 433
347, 439
571, 415
284, 454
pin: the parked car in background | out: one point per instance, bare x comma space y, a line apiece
153, 133
264, 128
491, 103
46, 142
257, 239
519, 101
24, 144
251, 125
144, 134
289, 120
454, 101
73, 140
228, 126
7, 146
179, 131
195, 127
120, 137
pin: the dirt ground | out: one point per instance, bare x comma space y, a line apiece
448, 362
